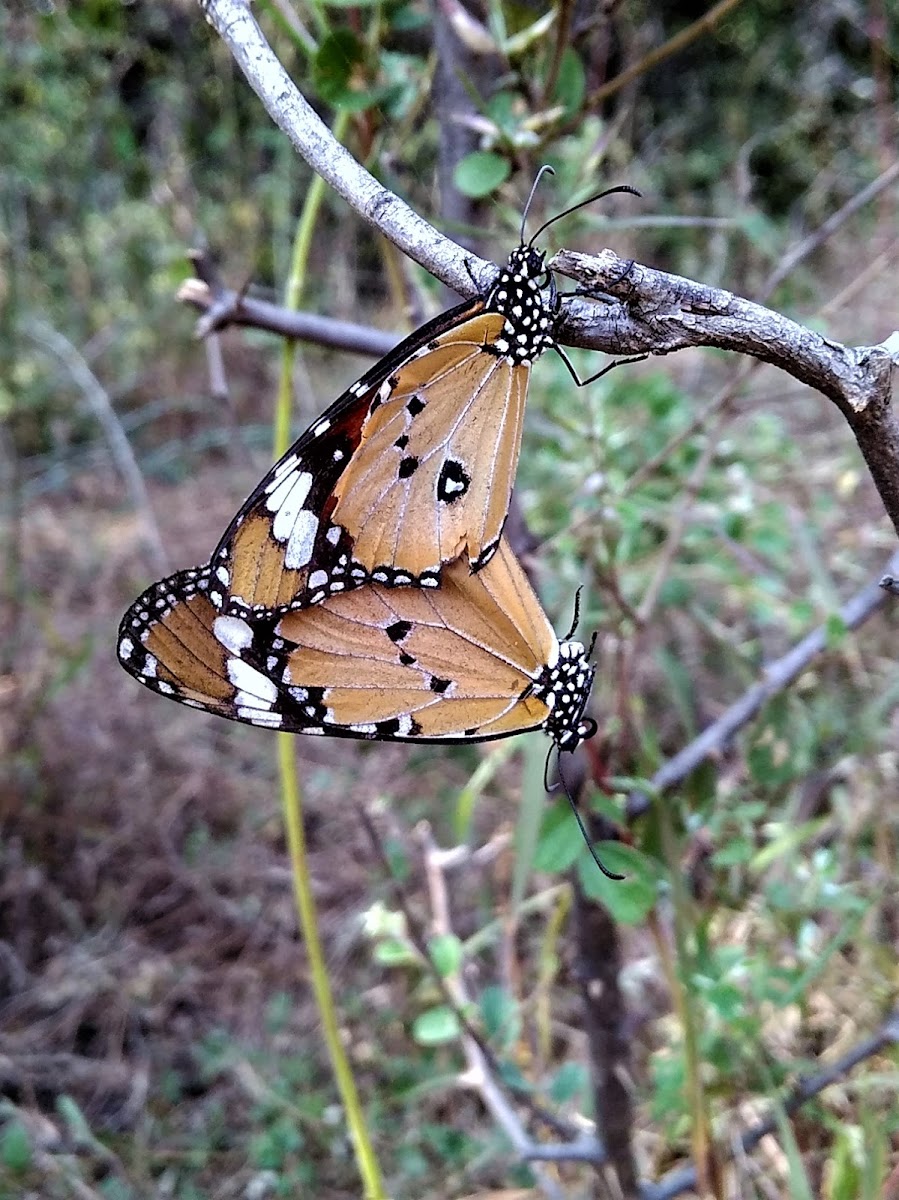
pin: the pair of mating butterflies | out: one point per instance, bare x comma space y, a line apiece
364, 589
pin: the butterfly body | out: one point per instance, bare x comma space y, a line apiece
473, 660
409, 469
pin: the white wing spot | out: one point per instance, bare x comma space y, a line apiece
333, 535
126, 649
255, 690
287, 501
302, 539
271, 720
318, 579
233, 633
149, 668
320, 428
223, 575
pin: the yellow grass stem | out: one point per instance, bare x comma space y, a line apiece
291, 795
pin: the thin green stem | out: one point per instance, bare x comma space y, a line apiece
291, 796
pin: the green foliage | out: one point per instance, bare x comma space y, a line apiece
128, 135
15, 1148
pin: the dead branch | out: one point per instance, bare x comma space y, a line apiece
232, 308
658, 313
776, 677
684, 1178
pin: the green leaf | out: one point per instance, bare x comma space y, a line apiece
499, 1013
737, 852
15, 1147
845, 1178
436, 1026
480, 173
835, 631
336, 68
394, 953
630, 899
571, 85
446, 954
560, 841
569, 1083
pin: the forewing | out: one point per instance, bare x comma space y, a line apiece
410, 468
433, 474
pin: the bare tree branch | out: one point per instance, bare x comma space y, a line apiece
231, 308
238, 29
777, 676
101, 407
659, 313
684, 1179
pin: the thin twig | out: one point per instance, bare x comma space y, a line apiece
231, 308
824, 231
101, 407
238, 29
445, 860
684, 1179
777, 676
478, 1075
673, 46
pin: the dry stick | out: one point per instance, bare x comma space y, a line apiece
238, 29
478, 1075
445, 860
684, 1180
673, 46
777, 676
104, 413
660, 313
829, 227
232, 308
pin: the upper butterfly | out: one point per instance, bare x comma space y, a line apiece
409, 469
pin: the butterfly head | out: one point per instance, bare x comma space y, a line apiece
525, 295
565, 688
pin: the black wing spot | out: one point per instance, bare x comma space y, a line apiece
453, 482
415, 406
398, 630
401, 442
407, 659
432, 345
438, 685
408, 466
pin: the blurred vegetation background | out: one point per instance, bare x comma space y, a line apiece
156, 1032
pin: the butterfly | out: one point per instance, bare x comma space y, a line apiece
470, 661
411, 468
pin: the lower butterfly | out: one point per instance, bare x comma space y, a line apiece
472, 660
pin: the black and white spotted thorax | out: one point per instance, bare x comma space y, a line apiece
564, 688
527, 299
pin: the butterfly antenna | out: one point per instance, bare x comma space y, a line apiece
582, 827
546, 169
623, 187
577, 614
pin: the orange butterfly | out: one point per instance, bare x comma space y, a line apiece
472, 660
411, 468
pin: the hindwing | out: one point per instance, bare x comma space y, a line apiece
473, 660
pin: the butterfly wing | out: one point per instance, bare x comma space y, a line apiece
412, 467
473, 660
436, 438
